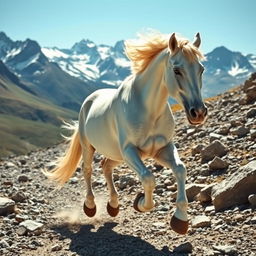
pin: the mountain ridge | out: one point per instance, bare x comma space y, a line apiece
224, 67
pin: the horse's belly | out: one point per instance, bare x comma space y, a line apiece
104, 140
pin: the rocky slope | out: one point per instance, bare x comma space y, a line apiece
38, 219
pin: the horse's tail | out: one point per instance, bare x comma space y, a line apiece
67, 164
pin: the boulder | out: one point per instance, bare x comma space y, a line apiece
251, 113
32, 226
235, 189
205, 194
240, 131
226, 250
218, 164
252, 200
191, 191
6, 206
201, 222
216, 148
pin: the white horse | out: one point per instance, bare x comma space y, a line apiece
134, 122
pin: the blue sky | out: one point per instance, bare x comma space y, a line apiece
61, 23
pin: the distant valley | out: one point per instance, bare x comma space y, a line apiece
41, 86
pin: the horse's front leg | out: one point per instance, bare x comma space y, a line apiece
143, 202
168, 156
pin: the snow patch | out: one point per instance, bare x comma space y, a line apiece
236, 70
53, 53
26, 63
122, 62
104, 52
217, 72
13, 53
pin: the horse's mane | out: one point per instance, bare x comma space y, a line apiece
142, 50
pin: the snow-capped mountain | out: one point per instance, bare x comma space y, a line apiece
87, 61
54, 71
45, 78
109, 65
226, 69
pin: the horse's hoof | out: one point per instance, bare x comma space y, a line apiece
90, 212
136, 201
179, 226
112, 211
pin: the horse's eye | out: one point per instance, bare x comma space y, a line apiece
177, 72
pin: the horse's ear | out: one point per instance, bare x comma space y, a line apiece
173, 44
197, 40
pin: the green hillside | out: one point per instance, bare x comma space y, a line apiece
27, 122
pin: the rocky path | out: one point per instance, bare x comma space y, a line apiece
38, 219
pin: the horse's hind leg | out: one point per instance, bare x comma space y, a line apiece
113, 205
89, 204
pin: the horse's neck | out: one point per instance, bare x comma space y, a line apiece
150, 85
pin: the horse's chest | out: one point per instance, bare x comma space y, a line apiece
151, 145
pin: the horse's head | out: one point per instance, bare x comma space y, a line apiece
184, 77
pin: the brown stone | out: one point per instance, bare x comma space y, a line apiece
235, 189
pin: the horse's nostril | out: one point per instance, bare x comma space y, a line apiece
193, 113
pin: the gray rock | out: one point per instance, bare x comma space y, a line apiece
74, 180
23, 178
218, 164
4, 244
191, 191
184, 248
197, 149
253, 220
6, 206
10, 165
251, 94
253, 133
252, 200
224, 130
191, 131
209, 209
159, 225
240, 131
201, 221
21, 231
19, 197
56, 247
205, 194
32, 226
226, 249
216, 148
236, 188
251, 113
215, 136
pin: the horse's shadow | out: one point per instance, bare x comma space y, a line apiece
106, 242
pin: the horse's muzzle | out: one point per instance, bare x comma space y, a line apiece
197, 115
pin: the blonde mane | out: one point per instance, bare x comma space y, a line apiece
142, 50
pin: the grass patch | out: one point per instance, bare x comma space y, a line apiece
20, 136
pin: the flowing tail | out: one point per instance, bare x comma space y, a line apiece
67, 165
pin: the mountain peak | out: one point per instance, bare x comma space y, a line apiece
83, 46
221, 50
